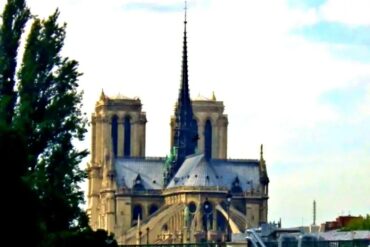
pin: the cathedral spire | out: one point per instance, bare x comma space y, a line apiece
185, 138
184, 87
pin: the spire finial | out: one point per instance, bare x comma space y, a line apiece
213, 96
102, 95
186, 9
261, 151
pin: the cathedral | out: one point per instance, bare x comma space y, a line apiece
194, 194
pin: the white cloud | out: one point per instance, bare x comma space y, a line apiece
349, 12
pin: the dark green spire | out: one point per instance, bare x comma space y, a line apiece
185, 138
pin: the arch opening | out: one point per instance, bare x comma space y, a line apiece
137, 213
114, 133
127, 137
208, 140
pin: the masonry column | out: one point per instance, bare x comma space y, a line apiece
134, 137
98, 156
106, 129
120, 136
93, 139
201, 135
141, 135
215, 139
111, 212
222, 123
93, 196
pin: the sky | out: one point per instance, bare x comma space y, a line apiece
293, 75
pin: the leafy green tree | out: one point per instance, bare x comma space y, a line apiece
40, 117
14, 19
12, 144
362, 223
49, 116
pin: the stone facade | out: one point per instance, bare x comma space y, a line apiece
118, 204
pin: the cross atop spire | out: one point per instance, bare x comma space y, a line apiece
186, 10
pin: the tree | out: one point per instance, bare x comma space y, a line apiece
49, 116
14, 18
40, 117
360, 223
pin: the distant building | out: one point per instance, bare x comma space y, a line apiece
340, 222
179, 198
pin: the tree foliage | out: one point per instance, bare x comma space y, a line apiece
40, 117
14, 18
361, 223
49, 116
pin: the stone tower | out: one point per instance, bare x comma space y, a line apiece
211, 127
118, 130
118, 124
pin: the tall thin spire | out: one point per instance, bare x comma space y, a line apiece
184, 87
186, 9
185, 138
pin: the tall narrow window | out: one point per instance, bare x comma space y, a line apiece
114, 134
208, 140
137, 212
127, 139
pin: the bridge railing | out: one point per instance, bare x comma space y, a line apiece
178, 245
324, 243
321, 243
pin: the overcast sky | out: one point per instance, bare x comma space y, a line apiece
293, 75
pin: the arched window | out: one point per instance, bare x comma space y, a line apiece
127, 139
152, 209
208, 140
137, 212
114, 134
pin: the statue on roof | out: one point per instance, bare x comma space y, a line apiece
168, 165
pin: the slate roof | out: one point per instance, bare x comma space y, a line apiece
150, 170
195, 171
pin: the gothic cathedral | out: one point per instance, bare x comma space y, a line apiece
193, 194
